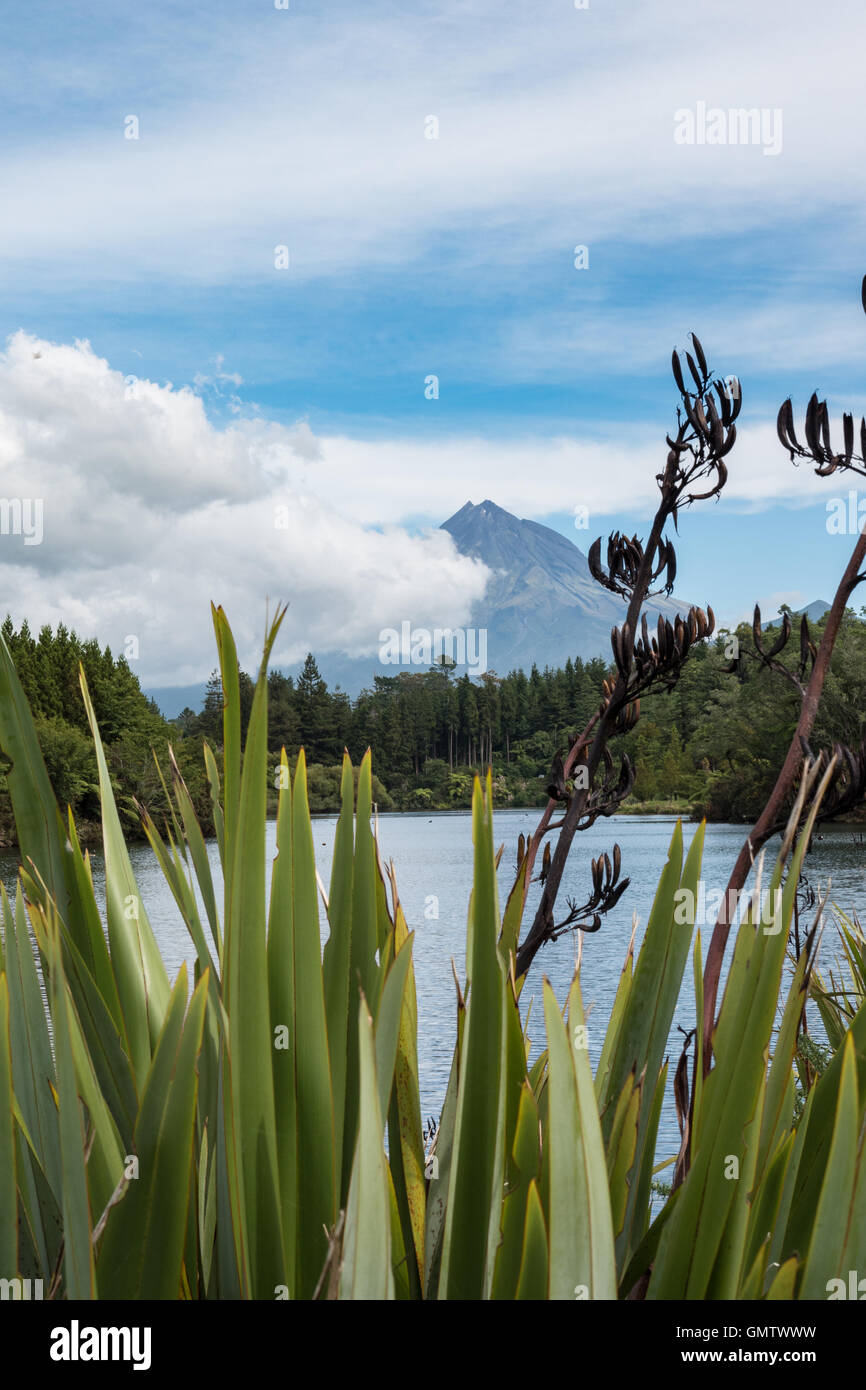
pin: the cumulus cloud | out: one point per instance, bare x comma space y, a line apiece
150, 511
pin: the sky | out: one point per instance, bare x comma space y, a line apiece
238, 243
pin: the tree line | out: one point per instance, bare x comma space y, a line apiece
710, 746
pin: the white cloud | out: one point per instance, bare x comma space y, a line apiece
555, 125
150, 511
537, 476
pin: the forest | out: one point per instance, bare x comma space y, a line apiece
132, 727
709, 747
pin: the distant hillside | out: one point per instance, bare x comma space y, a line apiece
814, 613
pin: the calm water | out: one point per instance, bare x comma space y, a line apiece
433, 860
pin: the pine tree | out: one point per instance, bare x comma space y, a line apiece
315, 713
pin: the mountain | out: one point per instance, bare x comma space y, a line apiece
814, 613
542, 605
173, 699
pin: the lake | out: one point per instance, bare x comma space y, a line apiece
432, 854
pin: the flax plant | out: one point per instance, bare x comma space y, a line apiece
255, 1132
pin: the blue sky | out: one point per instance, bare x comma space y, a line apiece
154, 259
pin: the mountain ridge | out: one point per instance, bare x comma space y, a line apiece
543, 605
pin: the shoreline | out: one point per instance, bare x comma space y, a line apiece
90, 833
